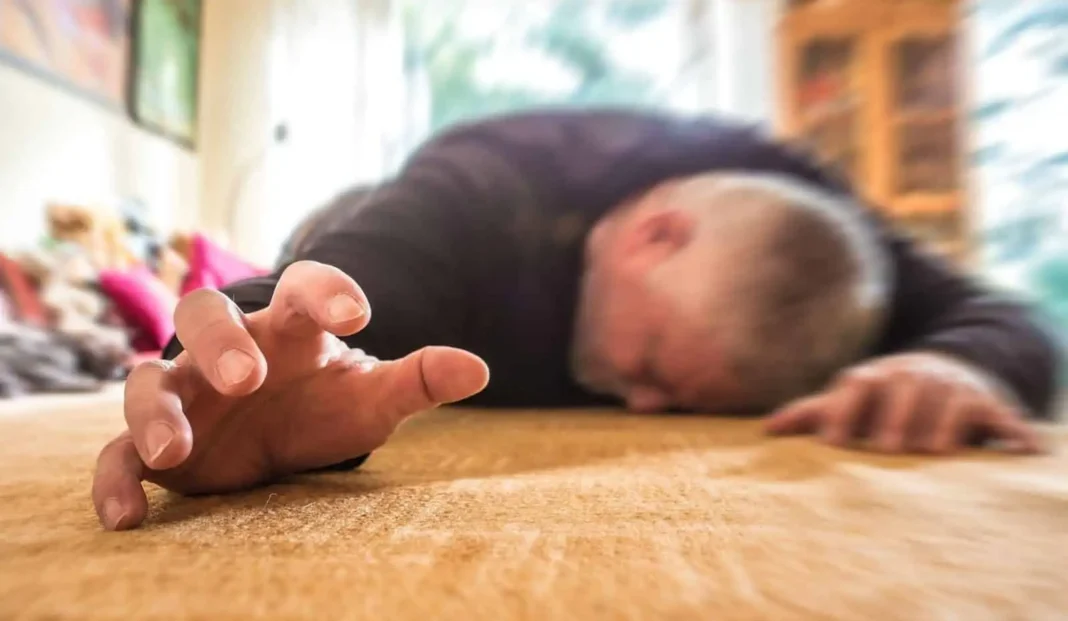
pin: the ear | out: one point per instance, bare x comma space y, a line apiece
660, 234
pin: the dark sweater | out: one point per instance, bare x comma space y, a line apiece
477, 243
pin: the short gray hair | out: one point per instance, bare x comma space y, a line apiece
812, 290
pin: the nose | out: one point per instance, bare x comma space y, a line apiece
643, 399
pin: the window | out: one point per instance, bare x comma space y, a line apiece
470, 58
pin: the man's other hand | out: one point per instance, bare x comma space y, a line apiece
256, 397
916, 403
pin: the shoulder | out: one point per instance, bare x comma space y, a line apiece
606, 129
568, 151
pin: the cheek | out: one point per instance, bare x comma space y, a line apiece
626, 329
609, 308
703, 380
615, 316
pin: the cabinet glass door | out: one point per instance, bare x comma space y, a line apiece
828, 103
925, 158
925, 115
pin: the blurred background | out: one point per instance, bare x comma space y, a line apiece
148, 147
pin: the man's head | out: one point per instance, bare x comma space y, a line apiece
726, 291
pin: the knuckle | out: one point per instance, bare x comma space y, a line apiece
204, 306
147, 370
216, 328
112, 448
894, 429
327, 276
135, 383
859, 376
838, 415
1007, 414
215, 334
196, 300
971, 404
302, 265
905, 375
897, 421
304, 273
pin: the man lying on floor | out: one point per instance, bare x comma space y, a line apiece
587, 258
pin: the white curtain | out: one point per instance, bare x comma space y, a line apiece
335, 85
736, 56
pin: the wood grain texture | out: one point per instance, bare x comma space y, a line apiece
536, 515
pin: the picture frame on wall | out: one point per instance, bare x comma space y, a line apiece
79, 46
164, 68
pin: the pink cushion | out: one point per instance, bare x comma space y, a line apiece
212, 266
144, 303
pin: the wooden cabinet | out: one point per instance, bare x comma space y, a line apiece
872, 87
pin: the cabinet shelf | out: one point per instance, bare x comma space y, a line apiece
831, 112
925, 117
925, 203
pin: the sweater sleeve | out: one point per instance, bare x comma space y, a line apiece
935, 308
938, 307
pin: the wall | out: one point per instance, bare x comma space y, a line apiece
58, 146
1019, 61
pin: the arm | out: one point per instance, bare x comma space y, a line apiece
397, 245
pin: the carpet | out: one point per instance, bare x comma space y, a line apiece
528, 515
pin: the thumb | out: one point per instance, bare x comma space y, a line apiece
426, 379
356, 412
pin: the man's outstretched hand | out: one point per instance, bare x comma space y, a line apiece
256, 397
915, 403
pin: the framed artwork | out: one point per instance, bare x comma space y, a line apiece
165, 56
78, 45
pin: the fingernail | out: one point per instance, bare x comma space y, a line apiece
343, 308
113, 513
158, 437
234, 366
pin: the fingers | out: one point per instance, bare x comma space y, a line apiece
967, 413
799, 417
118, 497
836, 414
153, 406
908, 409
312, 296
212, 330
1011, 428
848, 404
949, 432
891, 424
